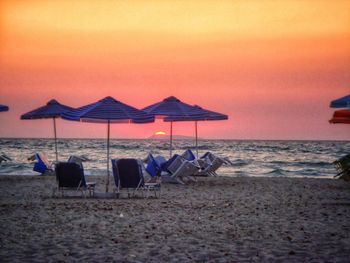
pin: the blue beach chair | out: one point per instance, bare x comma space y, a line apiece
42, 165
189, 155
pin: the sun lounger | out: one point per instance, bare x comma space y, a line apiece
202, 163
209, 164
343, 167
4, 158
42, 165
128, 175
79, 159
70, 177
177, 170
153, 167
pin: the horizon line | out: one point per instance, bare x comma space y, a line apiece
155, 139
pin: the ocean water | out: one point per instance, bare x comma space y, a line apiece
249, 158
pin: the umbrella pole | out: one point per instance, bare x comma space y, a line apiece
107, 184
54, 130
171, 138
196, 129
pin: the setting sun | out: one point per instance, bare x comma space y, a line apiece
159, 133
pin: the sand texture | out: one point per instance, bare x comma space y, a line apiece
213, 220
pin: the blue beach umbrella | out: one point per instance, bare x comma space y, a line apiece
53, 109
342, 102
108, 110
3, 108
173, 107
207, 115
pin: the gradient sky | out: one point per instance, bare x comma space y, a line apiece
272, 66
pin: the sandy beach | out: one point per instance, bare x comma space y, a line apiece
213, 220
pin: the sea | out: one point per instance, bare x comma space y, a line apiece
246, 157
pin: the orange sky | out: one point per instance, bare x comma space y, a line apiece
272, 66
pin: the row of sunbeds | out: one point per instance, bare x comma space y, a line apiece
180, 168
130, 174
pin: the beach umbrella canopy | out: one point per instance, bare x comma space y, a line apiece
53, 109
341, 116
108, 110
207, 115
343, 102
173, 107
4, 107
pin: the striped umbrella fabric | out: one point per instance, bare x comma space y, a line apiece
3, 108
207, 115
53, 109
342, 102
341, 116
175, 108
108, 110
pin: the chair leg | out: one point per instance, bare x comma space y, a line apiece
179, 180
54, 192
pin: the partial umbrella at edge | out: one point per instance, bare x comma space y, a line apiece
53, 109
207, 115
108, 110
342, 102
3, 108
341, 116
173, 107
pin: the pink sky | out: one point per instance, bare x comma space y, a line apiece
273, 67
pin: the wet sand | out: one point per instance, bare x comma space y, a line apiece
213, 220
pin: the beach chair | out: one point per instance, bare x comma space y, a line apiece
128, 176
70, 177
79, 159
343, 168
202, 162
42, 165
4, 158
189, 155
152, 167
178, 170
209, 164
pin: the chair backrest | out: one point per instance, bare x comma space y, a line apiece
152, 166
165, 165
127, 173
44, 159
42, 164
76, 159
216, 164
189, 155
175, 164
209, 156
70, 175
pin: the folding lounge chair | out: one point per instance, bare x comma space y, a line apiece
4, 158
179, 169
154, 165
214, 162
189, 155
202, 163
42, 165
128, 175
77, 159
343, 167
70, 176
